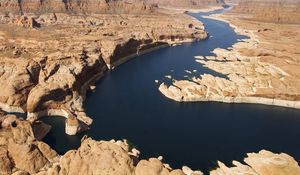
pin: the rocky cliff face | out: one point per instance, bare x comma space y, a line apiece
187, 3
50, 60
22, 153
279, 11
74, 6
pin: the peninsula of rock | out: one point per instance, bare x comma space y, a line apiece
263, 69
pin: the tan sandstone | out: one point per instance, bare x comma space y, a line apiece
263, 69
53, 52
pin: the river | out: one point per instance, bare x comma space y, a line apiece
128, 105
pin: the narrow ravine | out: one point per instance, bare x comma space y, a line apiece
128, 105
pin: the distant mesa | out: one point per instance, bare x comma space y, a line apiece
187, 3
75, 6
279, 11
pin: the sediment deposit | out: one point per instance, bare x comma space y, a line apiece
49, 60
263, 69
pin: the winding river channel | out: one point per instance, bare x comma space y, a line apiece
128, 105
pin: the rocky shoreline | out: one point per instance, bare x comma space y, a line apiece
175, 94
21, 153
252, 75
49, 62
66, 54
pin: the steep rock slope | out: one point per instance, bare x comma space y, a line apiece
22, 153
279, 11
50, 60
74, 6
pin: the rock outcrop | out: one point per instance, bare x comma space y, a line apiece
19, 148
22, 153
263, 69
74, 6
278, 11
262, 163
26, 22
49, 60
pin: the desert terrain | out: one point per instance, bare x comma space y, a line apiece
50, 60
262, 69
53, 52
187, 3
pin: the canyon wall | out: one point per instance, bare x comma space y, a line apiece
187, 3
75, 6
49, 60
279, 11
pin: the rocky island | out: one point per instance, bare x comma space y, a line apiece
52, 52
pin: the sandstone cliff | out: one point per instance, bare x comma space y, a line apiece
22, 153
279, 11
187, 3
74, 6
50, 60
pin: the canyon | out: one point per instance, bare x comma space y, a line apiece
50, 60
262, 69
53, 52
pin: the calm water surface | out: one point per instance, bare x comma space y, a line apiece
128, 105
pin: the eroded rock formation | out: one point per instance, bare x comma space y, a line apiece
74, 6
262, 163
279, 11
263, 69
22, 153
49, 60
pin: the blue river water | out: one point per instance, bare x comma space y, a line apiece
128, 105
